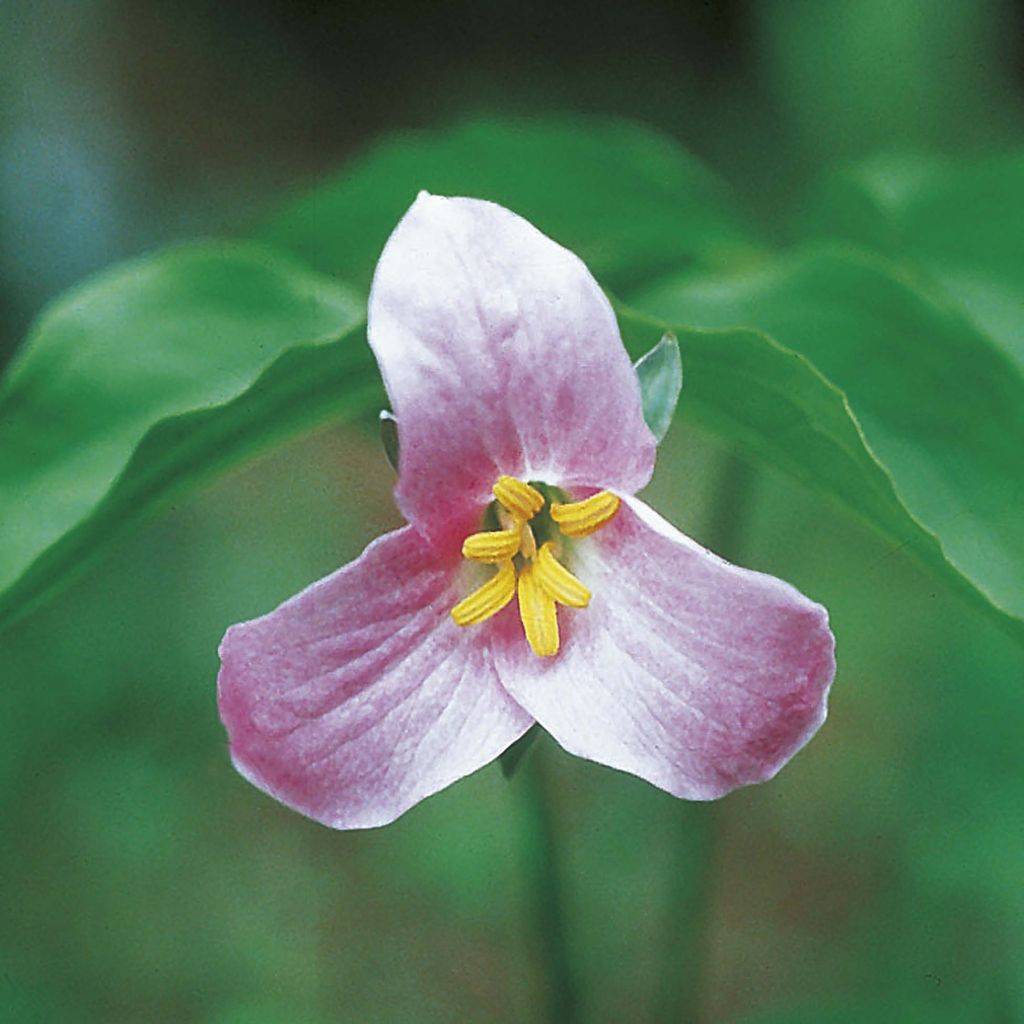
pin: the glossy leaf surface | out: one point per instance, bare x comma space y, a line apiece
140, 382
941, 412
958, 225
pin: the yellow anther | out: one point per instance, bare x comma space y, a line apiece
580, 518
489, 599
557, 581
537, 611
493, 547
522, 500
542, 580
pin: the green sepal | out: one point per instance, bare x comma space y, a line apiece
513, 756
660, 373
389, 436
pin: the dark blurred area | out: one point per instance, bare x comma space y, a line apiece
878, 879
125, 125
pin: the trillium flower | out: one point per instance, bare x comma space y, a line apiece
530, 584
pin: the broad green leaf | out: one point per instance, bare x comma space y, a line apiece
660, 372
629, 202
145, 379
772, 404
961, 226
938, 410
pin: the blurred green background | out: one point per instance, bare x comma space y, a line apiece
879, 878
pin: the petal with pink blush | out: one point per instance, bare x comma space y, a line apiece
501, 355
359, 697
687, 671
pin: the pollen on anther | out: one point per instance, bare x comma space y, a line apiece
557, 581
489, 599
520, 499
537, 613
494, 546
581, 518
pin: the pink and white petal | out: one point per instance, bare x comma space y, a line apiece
692, 673
501, 355
359, 696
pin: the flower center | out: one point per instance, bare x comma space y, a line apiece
532, 571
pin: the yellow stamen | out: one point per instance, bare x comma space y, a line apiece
557, 581
581, 518
537, 611
522, 500
489, 599
543, 580
493, 547
527, 542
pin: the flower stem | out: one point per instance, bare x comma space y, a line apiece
689, 901
547, 891
690, 898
